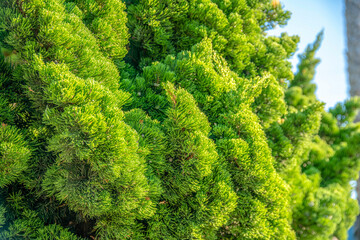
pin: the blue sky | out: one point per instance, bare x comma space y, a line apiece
308, 18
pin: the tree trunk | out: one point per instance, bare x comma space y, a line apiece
353, 42
352, 12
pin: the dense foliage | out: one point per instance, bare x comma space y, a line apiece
161, 119
323, 156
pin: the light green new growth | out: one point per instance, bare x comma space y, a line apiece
161, 119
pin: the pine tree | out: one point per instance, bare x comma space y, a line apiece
197, 196
328, 160
166, 120
85, 158
14, 149
230, 45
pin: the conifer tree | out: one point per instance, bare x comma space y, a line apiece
14, 149
198, 196
322, 161
166, 120
227, 74
85, 158
239, 137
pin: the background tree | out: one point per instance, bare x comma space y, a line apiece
328, 156
352, 10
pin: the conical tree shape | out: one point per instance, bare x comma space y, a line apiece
320, 174
301, 90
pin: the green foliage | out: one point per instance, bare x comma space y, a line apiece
29, 226
106, 19
14, 154
197, 197
159, 28
160, 119
260, 189
239, 137
93, 167
325, 163
14, 150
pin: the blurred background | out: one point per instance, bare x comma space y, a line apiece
308, 18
